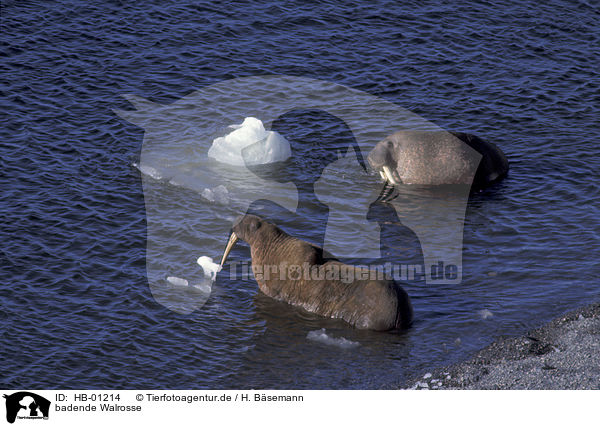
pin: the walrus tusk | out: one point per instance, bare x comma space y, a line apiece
388, 174
232, 240
382, 175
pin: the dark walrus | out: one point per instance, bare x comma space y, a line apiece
438, 158
294, 271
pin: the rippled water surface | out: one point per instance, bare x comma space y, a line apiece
81, 308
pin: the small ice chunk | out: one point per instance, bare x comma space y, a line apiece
485, 313
427, 376
148, 171
250, 144
210, 268
177, 281
457, 341
218, 194
208, 194
204, 287
322, 337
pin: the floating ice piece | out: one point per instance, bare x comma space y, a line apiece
218, 194
485, 313
250, 144
427, 376
177, 281
210, 268
322, 337
148, 171
204, 287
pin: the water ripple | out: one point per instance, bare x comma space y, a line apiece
77, 308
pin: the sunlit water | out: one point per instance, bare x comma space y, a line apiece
77, 307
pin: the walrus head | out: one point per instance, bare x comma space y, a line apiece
249, 228
383, 159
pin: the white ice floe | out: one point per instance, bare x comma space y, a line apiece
218, 194
148, 171
322, 337
209, 267
427, 376
271, 146
177, 281
485, 313
420, 385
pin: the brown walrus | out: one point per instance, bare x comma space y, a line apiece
438, 158
294, 271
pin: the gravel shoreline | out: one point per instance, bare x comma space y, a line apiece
562, 354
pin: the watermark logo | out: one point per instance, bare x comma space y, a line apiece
26, 406
191, 199
244, 270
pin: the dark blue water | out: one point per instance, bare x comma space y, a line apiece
77, 309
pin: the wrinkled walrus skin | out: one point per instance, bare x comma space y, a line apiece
363, 303
438, 158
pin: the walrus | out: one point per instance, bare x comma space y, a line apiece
438, 158
297, 272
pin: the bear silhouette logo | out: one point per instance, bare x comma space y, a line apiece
26, 405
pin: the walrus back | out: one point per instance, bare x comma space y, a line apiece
434, 158
296, 272
493, 165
